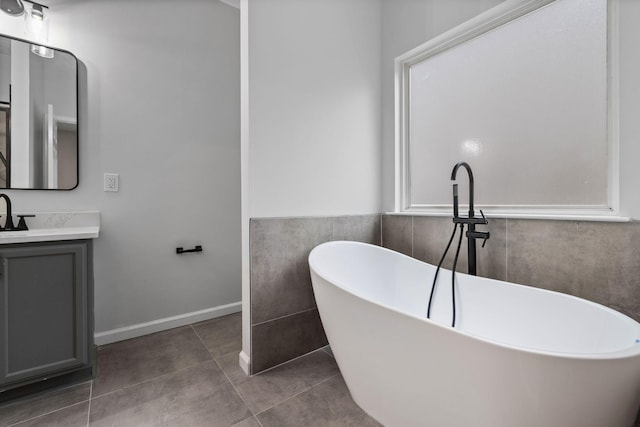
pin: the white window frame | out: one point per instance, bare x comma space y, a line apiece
500, 15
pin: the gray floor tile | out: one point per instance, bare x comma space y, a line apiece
249, 422
196, 396
328, 404
222, 335
72, 416
269, 388
327, 349
231, 367
169, 378
43, 403
133, 361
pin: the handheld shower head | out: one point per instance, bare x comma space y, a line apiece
455, 200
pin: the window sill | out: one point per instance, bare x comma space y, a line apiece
550, 216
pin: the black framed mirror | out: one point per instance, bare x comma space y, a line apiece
38, 116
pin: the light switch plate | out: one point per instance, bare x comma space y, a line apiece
111, 182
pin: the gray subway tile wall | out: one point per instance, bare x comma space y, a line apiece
594, 260
357, 228
280, 283
397, 233
599, 261
430, 237
492, 259
279, 340
284, 319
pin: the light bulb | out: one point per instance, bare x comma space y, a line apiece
37, 13
37, 24
42, 51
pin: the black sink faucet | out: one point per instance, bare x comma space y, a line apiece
8, 225
471, 220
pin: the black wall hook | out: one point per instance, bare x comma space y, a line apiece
181, 250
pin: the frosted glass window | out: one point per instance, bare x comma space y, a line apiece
525, 104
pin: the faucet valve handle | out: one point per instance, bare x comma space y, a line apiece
484, 241
484, 218
22, 224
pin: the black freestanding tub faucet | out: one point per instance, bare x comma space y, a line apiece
470, 220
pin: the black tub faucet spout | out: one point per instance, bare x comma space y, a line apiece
471, 220
454, 172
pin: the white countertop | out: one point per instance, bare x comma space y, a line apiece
53, 226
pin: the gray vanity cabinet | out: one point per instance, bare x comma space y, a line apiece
46, 319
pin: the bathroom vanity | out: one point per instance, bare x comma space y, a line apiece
46, 265
46, 304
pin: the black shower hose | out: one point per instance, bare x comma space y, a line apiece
453, 273
453, 277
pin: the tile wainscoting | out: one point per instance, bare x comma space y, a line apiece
284, 317
598, 261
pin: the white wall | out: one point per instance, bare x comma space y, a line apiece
310, 114
159, 105
405, 25
314, 119
629, 106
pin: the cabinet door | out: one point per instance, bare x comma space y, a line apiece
43, 310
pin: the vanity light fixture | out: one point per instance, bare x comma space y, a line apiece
37, 28
12, 7
36, 12
36, 23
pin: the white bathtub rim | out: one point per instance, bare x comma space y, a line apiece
625, 353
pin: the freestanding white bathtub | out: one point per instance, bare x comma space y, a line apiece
518, 356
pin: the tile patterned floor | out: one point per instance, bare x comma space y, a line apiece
189, 376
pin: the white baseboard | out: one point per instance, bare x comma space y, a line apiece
245, 363
133, 331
